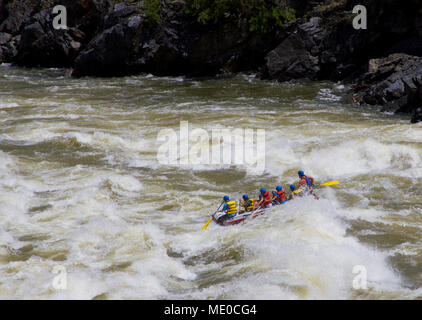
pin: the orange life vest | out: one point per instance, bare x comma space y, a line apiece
281, 196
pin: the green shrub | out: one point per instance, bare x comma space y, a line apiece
262, 15
152, 11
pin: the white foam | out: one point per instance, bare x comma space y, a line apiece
126, 182
130, 227
305, 254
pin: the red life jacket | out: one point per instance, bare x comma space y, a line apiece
281, 196
267, 199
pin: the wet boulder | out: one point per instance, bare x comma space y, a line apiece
417, 116
8, 46
394, 82
414, 105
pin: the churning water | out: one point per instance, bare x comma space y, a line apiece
81, 190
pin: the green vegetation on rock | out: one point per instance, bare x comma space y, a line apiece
262, 15
152, 9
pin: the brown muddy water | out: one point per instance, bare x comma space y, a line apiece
83, 194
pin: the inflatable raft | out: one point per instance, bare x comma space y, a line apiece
222, 219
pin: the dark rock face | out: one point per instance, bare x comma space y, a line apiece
113, 51
394, 82
38, 43
319, 49
109, 39
303, 6
42, 46
17, 14
295, 57
2, 10
123, 46
174, 46
13, 16
328, 47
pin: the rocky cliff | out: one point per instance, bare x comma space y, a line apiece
113, 38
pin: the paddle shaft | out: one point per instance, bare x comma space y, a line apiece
329, 183
209, 221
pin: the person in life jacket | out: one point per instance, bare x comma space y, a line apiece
300, 193
305, 182
279, 196
246, 203
229, 207
264, 199
295, 193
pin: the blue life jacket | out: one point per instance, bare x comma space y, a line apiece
308, 181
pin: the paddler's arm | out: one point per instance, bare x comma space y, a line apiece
225, 207
242, 206
312, 183
241, 202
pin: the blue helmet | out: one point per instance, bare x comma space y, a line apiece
278, 188
300, 173
263, 190
245, 196
226, 198
292, 187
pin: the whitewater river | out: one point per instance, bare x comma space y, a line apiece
88, 211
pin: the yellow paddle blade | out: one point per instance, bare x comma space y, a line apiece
297, 191
330, 183
207, 224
